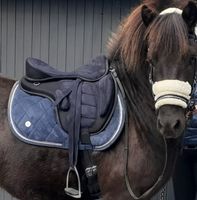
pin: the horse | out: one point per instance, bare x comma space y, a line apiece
153, 55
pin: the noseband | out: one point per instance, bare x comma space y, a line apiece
174, 92
171, 92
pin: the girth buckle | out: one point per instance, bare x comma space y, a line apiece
70, 191
91, 171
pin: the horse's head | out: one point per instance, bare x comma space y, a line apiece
171, 54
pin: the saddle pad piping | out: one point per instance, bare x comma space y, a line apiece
12, 126
120, 126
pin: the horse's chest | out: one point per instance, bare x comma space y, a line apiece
144, 165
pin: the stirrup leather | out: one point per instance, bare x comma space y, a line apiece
70, 191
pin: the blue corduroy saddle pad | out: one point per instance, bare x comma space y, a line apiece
33, 120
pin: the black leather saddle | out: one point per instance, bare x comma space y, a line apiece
85, 99
86, 95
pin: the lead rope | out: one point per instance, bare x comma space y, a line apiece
126, 152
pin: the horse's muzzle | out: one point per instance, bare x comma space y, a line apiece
171, 121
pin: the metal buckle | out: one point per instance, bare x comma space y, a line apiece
90, 171
70, 191
190, 147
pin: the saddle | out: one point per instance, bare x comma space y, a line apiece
80, 110
86, 95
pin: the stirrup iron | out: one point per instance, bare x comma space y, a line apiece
70, 191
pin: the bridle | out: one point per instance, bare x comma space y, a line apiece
189, 103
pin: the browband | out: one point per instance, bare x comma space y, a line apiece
171, 10
175, 10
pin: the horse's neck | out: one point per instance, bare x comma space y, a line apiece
142, 119
140, 104
5, 88
146, 146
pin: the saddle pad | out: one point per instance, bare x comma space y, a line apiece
33, 120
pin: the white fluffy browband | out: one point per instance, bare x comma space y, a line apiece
174, 10
171, 10
171, 87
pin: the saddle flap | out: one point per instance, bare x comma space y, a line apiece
97, 103
107, 95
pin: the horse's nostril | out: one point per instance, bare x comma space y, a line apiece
177, 125
171, 121
170, 128
159, 125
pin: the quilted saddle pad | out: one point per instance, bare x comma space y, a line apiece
33, 120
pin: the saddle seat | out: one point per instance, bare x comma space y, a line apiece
37, 70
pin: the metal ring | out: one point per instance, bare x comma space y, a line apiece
36, 83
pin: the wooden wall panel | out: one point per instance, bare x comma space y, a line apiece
11, 38
71, 35
19, 35
79, 35
3, 41
53, 32
28, 29
0, 30
63, 33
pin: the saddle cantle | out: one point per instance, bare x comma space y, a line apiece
80, 110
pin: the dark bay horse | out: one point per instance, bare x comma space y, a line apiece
153, 56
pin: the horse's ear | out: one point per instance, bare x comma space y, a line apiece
190, 15
147, 15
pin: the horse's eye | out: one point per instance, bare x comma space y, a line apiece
151, 63
193, 60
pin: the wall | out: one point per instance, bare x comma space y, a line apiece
63, 33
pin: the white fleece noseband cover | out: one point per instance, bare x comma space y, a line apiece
171, 92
